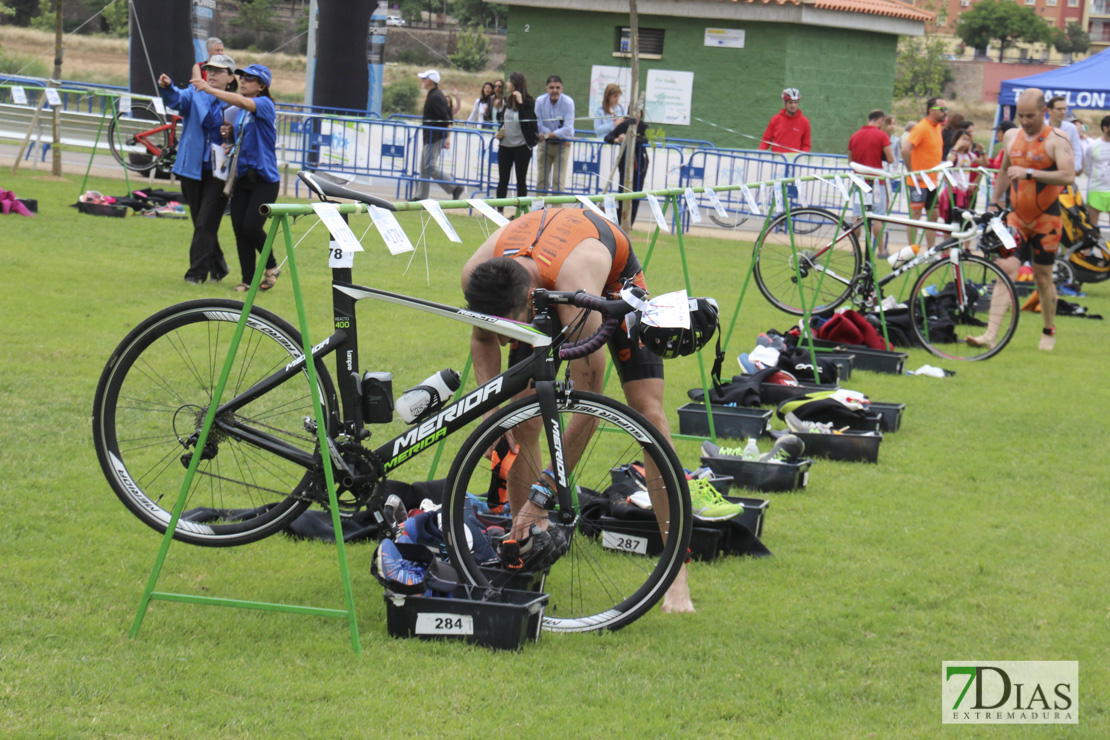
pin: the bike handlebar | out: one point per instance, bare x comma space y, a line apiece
614, 310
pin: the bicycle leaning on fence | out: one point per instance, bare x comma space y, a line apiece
261, 466
810, 260
144, 137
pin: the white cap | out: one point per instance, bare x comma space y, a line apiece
431, 74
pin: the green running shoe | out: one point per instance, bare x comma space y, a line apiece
709, 504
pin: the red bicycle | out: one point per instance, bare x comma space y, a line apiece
142, 139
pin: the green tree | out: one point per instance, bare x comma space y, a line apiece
1072, 40
476, 13
473, 51
921, 69
1004, 21
256, 19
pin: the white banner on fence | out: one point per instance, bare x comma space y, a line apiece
657, 211
488, 211
432, 207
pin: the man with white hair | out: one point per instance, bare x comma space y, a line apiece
436, 124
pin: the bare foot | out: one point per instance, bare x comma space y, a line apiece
980, 341
677, 599
1048, 342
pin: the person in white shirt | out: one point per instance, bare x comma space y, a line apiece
610, 113
555, 118
1057, 111
483, 106
1097, 166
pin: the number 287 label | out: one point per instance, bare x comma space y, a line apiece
624, 542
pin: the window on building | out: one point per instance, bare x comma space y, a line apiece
651, 42
1051, 4
1073, 3
965, 3
1098, 7
1030, 2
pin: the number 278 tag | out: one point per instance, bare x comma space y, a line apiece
337, 257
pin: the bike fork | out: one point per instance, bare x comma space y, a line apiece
549, 411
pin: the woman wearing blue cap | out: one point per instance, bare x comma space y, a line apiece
254, 129
204, 192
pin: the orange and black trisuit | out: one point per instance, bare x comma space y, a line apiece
1036, 214
548, 237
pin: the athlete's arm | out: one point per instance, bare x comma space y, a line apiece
1002, 184
1059, 149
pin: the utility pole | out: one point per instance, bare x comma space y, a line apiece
56, 81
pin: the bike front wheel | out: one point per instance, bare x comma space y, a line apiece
128, 131
151, 403
974, 326
612, 573
807, 261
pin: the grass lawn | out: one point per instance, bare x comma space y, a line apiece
976, 537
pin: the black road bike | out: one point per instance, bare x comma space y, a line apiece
262, 466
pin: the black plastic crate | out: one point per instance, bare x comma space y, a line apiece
643, 538
505, 624
847, 446
103, 209
32, 204
843, 362
755, 509
761, 476
517, 580
890, 415
872, 360
728, 421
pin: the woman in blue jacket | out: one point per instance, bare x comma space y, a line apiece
204, 192
257, 178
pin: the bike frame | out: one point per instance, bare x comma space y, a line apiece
170, 125
539, 367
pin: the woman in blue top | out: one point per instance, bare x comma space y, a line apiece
257, 178
610, 112
204, 192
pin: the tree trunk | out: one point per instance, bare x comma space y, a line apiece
59, 51
633, 130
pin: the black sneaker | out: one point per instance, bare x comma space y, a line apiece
456, 194
540, 550
787, 449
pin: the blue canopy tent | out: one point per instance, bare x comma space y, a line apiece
1085, 84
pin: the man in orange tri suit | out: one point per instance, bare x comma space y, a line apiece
564, 249
1037, 163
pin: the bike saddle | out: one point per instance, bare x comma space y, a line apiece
330, 185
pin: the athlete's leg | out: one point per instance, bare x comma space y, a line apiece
999, 303
1046, 291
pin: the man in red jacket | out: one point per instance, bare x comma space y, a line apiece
788, 130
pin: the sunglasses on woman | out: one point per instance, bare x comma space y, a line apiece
250, 78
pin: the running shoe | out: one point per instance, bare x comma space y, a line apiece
393, 567
787, 448
709, 504
540, 550
800, 426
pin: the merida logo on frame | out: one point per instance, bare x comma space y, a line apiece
1010, 692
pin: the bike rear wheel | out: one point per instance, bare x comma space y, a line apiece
122, 131
608, 578
944, 328
153, 397
795, 264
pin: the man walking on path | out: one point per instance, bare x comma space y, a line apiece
1036, 165
437, 115
922, 149
788, 130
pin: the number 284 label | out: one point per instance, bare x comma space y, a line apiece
431, 623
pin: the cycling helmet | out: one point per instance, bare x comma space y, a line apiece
671, 341
791, 93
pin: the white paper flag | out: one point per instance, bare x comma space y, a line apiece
391, 231
433, 207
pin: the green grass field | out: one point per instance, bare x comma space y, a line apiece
979, 535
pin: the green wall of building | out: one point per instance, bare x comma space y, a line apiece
841, 73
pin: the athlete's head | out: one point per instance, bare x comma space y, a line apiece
1030, 111
1104, 124
1057, 110
791, 99
936, 110
499, 287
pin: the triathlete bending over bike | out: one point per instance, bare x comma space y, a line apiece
1036, 162
563, 250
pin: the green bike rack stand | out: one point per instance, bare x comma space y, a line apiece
280, 222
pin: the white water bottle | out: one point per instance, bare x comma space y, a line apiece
751, 450
416, 403
904, 255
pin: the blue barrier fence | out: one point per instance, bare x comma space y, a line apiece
390, 150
